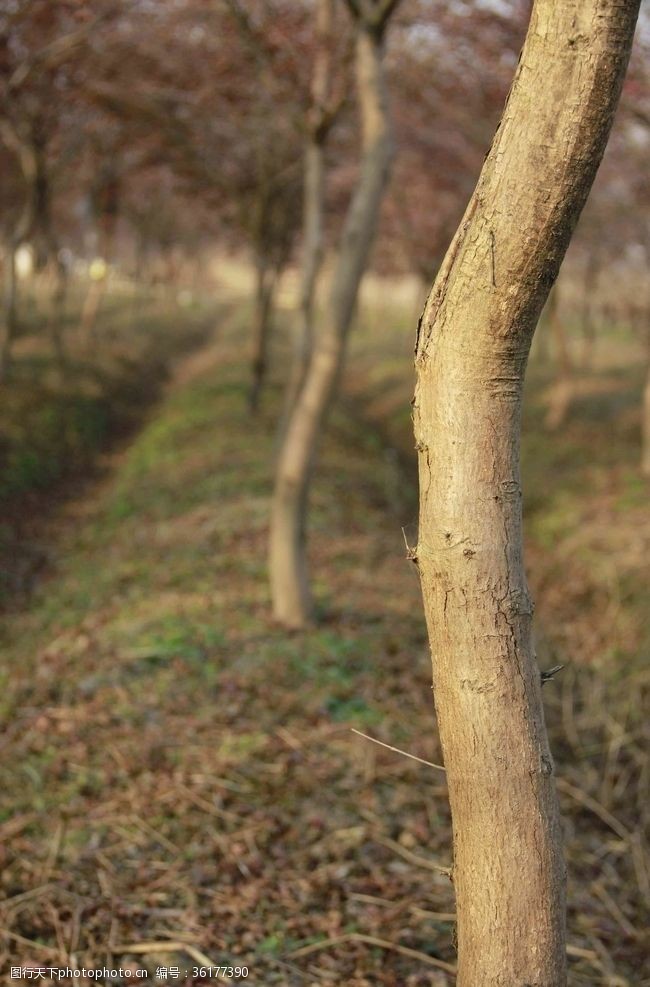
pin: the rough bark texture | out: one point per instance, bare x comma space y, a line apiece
471, 352
290, 592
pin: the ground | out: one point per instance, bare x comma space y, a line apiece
181, 784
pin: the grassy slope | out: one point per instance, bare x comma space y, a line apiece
176, 768
55, 422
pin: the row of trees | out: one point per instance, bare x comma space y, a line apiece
115, 116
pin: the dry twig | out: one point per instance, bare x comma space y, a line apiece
397, 750
373, 941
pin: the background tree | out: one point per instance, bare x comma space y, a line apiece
290, 591
318, 121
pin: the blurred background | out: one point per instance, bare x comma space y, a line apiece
180, 784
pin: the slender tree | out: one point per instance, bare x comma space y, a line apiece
471, 351
320, 116
291, 598
272, 230
28, 153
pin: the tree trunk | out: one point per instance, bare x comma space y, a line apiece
9, 311
291, 598
34, 217
312, 252
313, 204
471, 352
265, 288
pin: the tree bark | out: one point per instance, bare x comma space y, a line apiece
290, 593
471, 351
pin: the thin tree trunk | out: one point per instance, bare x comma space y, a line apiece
10, 322
290, 593
471, 352
562, 392
264, 291
312, 252
30, 163
313, 204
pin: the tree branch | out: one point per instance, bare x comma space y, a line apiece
56, 52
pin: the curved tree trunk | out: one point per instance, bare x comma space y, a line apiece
312, 254
290, 592
471, 352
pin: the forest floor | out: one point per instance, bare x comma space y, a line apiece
180, 783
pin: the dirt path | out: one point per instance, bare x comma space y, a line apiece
36, 522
